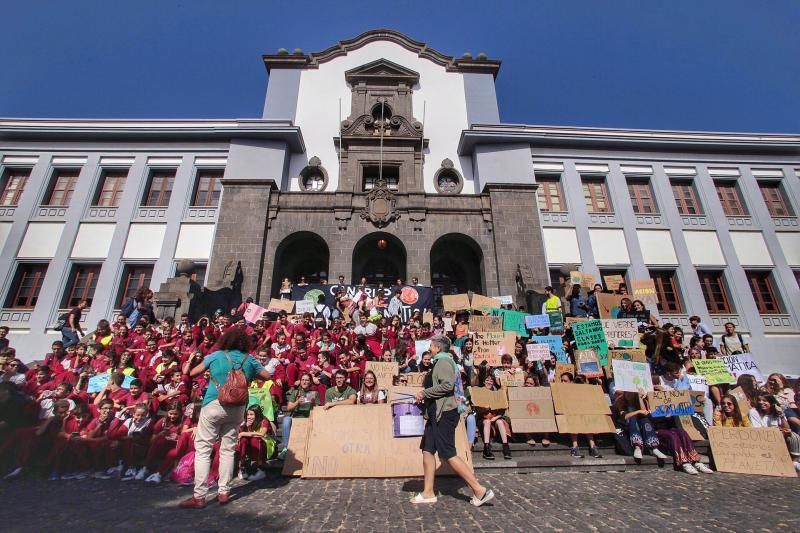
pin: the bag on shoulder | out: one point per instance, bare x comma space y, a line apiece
62, 321
128, 307
234, 391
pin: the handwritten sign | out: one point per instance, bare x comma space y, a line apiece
590, 334
621, 332
759, 451
298, 440
506, 300
489, 399
581, 278
556, 322
538, 352
384, 372
714, 370
741, 364
448, 323
608, 304
482, 324
455, 302
613, 282
645, 290
537, 321
512, 321
491, 346
556, 345
276, 305
631, 377
741, 400
483, 303
564, 368
303, 306
531, 410
420, 347
514, 378
100, 382
253, 313
414, 379
587, 363
670, 403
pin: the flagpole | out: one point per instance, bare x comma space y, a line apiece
380, 167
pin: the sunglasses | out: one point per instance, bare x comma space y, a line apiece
729, 404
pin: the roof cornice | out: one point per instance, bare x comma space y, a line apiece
285, 60
151, 130
626, 139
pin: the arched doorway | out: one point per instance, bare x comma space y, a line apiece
300, 254
456, 266
380, 257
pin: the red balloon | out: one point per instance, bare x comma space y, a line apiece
382, 244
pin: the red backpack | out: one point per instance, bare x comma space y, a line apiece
234, 391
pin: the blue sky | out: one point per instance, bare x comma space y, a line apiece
697, 65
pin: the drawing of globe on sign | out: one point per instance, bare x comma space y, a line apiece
533, 408
409, 295
313, 295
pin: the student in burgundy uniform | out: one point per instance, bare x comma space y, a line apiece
133, 436
165, 438
94, 449
252, 448
36, 441
172, 390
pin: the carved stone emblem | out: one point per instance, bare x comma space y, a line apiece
381, 205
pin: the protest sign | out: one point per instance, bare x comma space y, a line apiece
531, 410
613, 282
630, 354
420, 347
253, 312
491, 346
608, 304
512, 321
594, 424
303, 306
714, 370
427, 317
538, 352
621, 332
645, 290
581, 278
631, 377
100, 381
276, 305
698, 401
741, 400
697, 383
556, 322
483, 303
483, 397
670, 403
512, 379
414, 379
356, 441
506, 300
298, 440
384, 372
759, 451
587, 363
581, 408
686, 423
743, 364
455, 302
448, 323
590, 334
482, 324
537, 321
412, 298
564, 368
556, 345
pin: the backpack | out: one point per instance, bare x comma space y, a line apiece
235, 390
319, 314
128, 307
62, 321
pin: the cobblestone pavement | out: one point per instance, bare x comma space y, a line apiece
635, 501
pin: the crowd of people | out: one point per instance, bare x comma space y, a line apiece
124, 400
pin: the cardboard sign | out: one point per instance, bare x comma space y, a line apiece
697, 383
621, 332
506, 300
608, 304
537, 321
556, 345
483, 397
415, 379
253, 313
590, 334
482, 324
670, 403
401, 394
686, 424
448, 323
483, 303
760, 451
538, 352
564, 368
531, 410
276, 305
427, 317
356, 441
556, 322
579, 399
631, 377
743, 364
421, 347
303, 306
491, 346
613, 282
698, 401
741, 400
644, 290
298, 440
384, 372
594, 424
581, 278
455, 302
515, 379
100, 381
513, 321
572, 320
587, 363
634, 354
714, 370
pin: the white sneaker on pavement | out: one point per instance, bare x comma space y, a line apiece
154, 478
637, 453
703, 468
659, 454
258, 476
129, 475
141, 474
14, 473
689, 469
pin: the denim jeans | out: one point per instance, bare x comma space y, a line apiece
641, 432
69, 337
471, 426
286, 429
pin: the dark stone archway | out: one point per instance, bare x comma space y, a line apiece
456, 266
376, 264
300, 254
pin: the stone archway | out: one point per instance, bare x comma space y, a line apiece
300, 254
456, 266
380, 257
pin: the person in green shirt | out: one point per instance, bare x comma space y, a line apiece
298, 405
341, 394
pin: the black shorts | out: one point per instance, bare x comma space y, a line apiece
440, 437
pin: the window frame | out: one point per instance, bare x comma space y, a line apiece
641, 202
731, 207
591, 201
125, 280
38, 271
71, 175
215, 186
9, 174
169, 174
780, 198
681, 201
392, 182
120, 180
662, 277
550, 188
769, 290
69, 300
727, 306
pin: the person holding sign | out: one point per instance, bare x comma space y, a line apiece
298, 405
441, 408
729, 416
771, 415
575, 451
369, 393
640, 427
496, 418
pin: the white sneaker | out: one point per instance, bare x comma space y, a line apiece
258, 476
101, 475
658, 453
14, 473
68, 476
637, 453
154, 478
703, 468
242, 474
689, 469
797, 465
141, 474
129, 474
80, 476
114, 470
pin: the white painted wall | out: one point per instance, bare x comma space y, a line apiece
657, 248
318, 110
144, 241
93, 241
5, 227
790, 243
561, 246
41, 240
751, 248
194, 241
704, 248
609, 247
